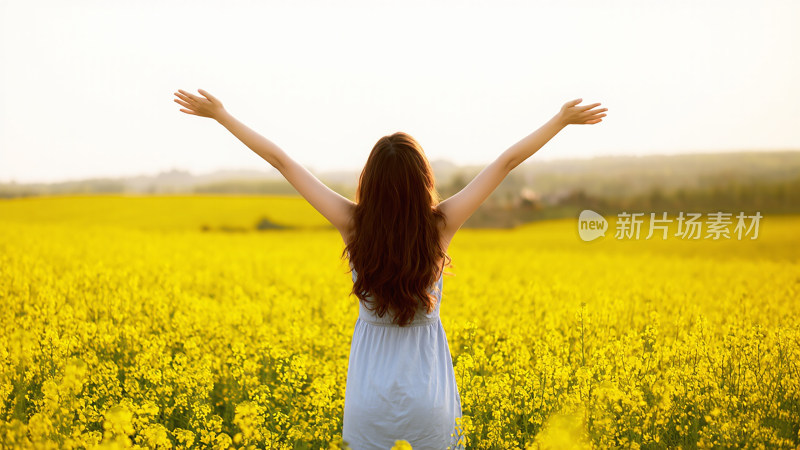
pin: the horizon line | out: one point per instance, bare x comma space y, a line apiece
355, 169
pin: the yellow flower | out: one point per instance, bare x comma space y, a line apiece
401, 445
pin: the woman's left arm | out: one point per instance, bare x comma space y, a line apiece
333, 206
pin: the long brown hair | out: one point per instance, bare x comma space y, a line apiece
395, 245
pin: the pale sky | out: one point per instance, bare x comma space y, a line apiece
86, 87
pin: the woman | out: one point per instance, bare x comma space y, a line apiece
400, 379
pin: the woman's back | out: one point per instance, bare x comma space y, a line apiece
400, 382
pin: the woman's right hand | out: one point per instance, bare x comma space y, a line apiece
209, 106
571, 113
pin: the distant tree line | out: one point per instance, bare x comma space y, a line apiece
768, 182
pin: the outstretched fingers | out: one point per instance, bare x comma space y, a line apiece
208, 96
189, 96
594, 118
187, 102
185, 98
588, 107
594, 112
584, 114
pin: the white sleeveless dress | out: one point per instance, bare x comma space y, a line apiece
400, 383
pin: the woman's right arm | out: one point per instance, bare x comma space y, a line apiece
458, 208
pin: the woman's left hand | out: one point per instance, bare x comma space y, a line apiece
209, 106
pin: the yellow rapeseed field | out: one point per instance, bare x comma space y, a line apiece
164, 322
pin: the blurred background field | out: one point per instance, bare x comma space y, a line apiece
765, 181
179, 321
